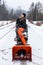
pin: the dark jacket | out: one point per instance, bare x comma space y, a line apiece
21, 23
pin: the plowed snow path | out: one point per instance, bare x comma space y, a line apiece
35, 39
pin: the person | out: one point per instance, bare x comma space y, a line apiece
21, 22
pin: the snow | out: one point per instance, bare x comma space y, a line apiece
2, 23
35, 39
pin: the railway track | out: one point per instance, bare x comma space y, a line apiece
6, 34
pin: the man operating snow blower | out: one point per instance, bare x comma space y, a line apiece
22, 51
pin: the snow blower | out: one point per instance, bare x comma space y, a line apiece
21, 51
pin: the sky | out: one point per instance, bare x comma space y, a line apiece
24, 4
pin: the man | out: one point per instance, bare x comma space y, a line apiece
21, 23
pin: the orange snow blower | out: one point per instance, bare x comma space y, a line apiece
21, 51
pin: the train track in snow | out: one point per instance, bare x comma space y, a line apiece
5, 26
7, 32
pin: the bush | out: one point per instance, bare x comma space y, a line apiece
38, 23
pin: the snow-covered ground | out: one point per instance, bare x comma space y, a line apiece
35, 39
2, 23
